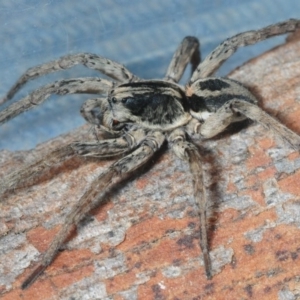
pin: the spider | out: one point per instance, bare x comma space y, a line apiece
139, 116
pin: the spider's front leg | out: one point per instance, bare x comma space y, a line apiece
189, 152
90, 198
71, 86
91, 61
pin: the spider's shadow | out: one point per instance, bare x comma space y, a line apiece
215, 174
115, 189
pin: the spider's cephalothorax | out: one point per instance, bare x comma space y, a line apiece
154, 104
142, 115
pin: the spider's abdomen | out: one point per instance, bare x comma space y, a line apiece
206, 96
154, 104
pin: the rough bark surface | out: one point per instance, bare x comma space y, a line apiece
144, 242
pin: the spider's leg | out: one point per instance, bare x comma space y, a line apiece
215, 59
255, 113
91, 61
187, 51
237, 110
71, 86
110, 147
90, 198
189, 152
216, 122
31, 172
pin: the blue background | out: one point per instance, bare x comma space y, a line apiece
141, 35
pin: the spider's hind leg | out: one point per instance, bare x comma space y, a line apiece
234, 110
227, 48
255, 113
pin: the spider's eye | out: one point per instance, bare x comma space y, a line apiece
124, 100
114, 100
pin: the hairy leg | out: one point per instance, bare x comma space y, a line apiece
218, 56
189, 152
232, 111
97, 189
91, 61
30, 173
255, 113
111, 147
187, 51
71, 86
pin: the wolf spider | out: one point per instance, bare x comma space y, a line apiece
140, 115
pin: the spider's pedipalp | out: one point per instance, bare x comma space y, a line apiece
187, 51
97, 112
87, 85
189, 152
87, 110
215, 59
97, 189
89, 60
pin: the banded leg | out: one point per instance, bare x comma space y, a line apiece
216, 58
30, 173
189, 152
104, 181
71, 86
111, 147
255, 113
91, 61
187, 51
229, 113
